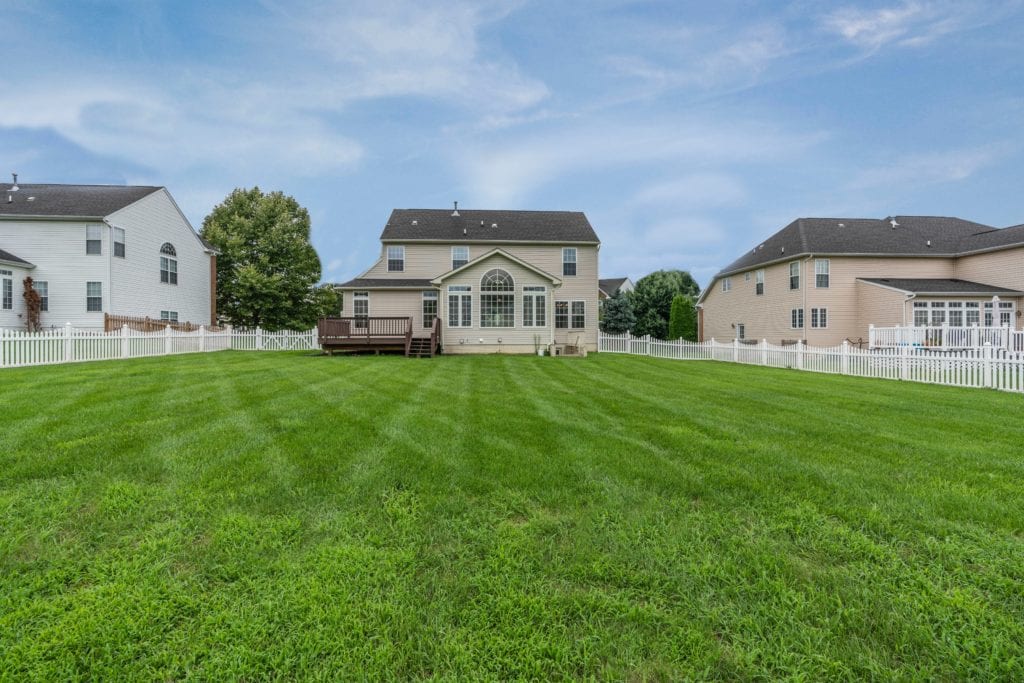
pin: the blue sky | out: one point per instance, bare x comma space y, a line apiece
686, 131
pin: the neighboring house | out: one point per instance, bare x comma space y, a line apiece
96, 249
609, 287
500, 281
823, 280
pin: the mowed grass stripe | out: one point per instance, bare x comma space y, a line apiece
243, 515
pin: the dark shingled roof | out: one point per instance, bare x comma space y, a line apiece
611, 285
386, 283
994, 239
93, 201
941, 286
8, 256
512, 226
948, 237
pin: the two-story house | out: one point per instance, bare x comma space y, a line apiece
499, 281
98, 249
823, 280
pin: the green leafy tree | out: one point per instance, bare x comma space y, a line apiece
267, 269
326, 301
682, 323
618, 314
652, 300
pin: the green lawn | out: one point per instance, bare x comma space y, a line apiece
255, 516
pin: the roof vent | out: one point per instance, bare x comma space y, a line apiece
893, 223
494, 225
463, 231
481, 222
415, 222
14, 186
31, 199
929, 243
455, 213
783, 250
841, 225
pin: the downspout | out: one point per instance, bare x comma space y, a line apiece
807, 285
110, 267
905, 302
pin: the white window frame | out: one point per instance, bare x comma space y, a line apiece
726, 284
741, 331
42, 288
89, 296
395, 252
972, 309
822, 268
759, 282
6, 290
920, 314
534, 294
567, 314
936, 307
490, 297
462, 298
568, 252
573, 314
361, 319
169, 316
819, 318
796, 319
794, 265
429, 295
119, 241
461, 249
93, 240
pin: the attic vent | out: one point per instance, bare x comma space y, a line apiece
494, 225
455, 213
415, 222
893, 223
841, 225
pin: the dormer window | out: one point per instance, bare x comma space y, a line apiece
168, 264
396, 259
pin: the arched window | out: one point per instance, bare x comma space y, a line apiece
168, 265
497, 299
496, 280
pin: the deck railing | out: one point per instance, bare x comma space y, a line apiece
946, 337
363, 329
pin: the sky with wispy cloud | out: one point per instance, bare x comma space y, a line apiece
686, 131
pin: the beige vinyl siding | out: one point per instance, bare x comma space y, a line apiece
764, 317
879, 306
388, 303
1001, 268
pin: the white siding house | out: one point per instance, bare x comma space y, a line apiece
102, 249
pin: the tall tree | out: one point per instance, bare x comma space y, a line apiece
618, 314
652, 300
682, 323
267, 269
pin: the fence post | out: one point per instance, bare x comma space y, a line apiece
987, 351
124, 340
68, 346
845, 366
167, 340
202, 338
799, 355
764, 352
871, 336
904, 362
259, 338
735, 350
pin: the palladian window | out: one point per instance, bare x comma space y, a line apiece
497, 299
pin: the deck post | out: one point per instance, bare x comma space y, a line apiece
68, 347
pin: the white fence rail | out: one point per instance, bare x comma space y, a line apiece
70, 345
947, 337
991, 367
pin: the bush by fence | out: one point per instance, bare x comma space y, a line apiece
70, 345
989, 367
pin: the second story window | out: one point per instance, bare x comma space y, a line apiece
43, 290
460, 257
569, 261
94, 239
396, 259
726, 284
794, 275
168, 264
759, 282
119, 242
821, 273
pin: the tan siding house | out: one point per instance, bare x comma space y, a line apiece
823, 280
499, 281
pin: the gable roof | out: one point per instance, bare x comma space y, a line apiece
498, 252
8, 257
473, 225
927, 286
79, 201
610, 285
994, 239
862, 236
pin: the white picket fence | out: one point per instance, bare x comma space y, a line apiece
70, 345
988, 366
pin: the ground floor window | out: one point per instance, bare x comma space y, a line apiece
534, 303
920, 314
819, 317
938, 309
460, 306
497, 310
93, 296
562, 315
579, 314
429, 308
361, 308
796, 318
741, 331
170, 316
7, 295
961, 313
1005, 314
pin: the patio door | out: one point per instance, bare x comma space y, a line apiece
1006, 314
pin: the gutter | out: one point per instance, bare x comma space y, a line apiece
807, 285
906, 301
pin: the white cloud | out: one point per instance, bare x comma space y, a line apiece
692, 190
916, 170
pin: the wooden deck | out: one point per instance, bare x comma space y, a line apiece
376, 334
